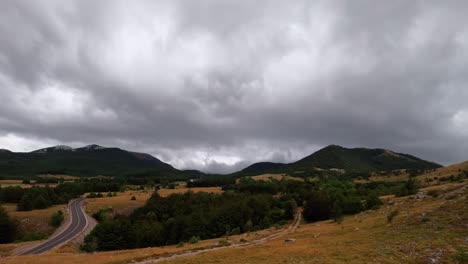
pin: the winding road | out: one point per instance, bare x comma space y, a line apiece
78, 224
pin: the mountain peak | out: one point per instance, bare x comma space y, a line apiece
55, 148
93, 147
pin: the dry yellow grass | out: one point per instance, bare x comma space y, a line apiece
123, 202
36, 220
426, 179
167, 192
6, 183
428, 228
118, 203
420, 231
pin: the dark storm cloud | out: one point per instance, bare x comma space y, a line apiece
216, 85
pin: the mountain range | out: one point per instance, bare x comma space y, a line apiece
92, 160
95, 160
347, 159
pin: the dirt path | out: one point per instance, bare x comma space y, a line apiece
291, 228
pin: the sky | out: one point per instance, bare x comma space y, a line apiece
218, 85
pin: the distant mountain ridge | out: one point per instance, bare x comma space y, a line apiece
348, 159
91, 160
95, 160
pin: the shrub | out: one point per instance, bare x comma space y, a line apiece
8, 227
224, 243
133, 198
433, 193
236, 231
32, 236
180, 244
194, 240
392, 215
56, 219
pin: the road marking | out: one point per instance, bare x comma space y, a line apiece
76, 208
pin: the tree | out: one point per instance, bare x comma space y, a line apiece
8, 227
41, 203
56, 219
318, 207
26, 203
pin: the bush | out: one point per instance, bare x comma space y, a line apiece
56, 219
32, 236
236, 231
8, 227
100, 215
180, 244
224, 243
133, 198
194, 240
433, 193
392, 215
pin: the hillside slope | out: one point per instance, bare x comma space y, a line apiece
348, 159
92, 160
429, 229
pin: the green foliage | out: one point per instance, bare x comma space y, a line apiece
43, 197
334, 197
95, 195
8, 227
409, 188
235, 231
211, 181
101, 215
194, 240
183, 217
224, 243
462, 256
82, 162
56, 219
356, 160
33, 236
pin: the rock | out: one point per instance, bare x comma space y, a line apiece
420, 195
290, 240
390, 202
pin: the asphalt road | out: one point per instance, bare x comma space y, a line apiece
78, 224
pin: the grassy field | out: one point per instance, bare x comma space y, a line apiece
123, 201
426, 179
7, 183
36, 220
431, 228
266, 177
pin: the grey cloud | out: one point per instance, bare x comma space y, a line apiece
236, 81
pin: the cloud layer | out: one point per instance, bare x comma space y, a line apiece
217, 85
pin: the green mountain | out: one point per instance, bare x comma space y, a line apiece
92, 160
348, 159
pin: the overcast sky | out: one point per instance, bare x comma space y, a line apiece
217, 85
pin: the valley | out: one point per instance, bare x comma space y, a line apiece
312, 215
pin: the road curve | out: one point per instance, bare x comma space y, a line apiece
77, 225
